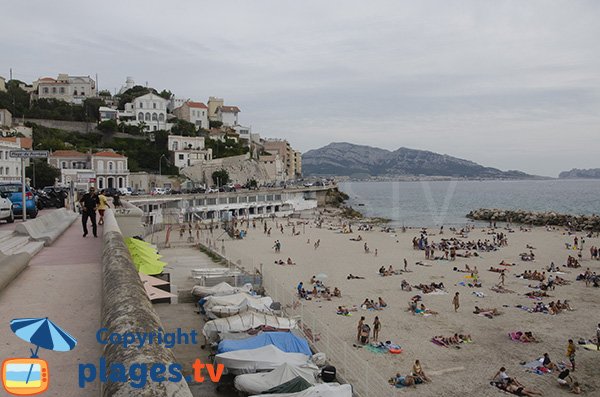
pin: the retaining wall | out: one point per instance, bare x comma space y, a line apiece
126, 308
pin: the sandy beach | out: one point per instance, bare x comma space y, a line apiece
454, 372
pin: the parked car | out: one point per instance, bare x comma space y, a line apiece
139, 192
111, 192
211, 190
13, 191
158, 191
6, 212
125, 191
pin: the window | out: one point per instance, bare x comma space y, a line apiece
154, 117
141, 116
181, 157
161, 117
154, 105
110, 165
54, 90
8, 170
64, 164
62, 90
155, 128
45, 90
175, 145
141, 105
1, 170
147, 117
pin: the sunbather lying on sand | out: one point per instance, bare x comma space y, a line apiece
353, 277
497, 269
503, 263
525, 337
501, 290
489, 313
406, 381
422, 309
451, 340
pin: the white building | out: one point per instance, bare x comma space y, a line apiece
10, 168
103, 169
72, 89
5, 118
193, 112
188, 150
228, 115
129, 83
149, 109
107, 113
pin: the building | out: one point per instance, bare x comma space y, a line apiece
2, 84
243, 132
174, 103
5, 118
149, 110
103, 169
10, 167
129, 83
213, 104
188, 150
297, 164
193, 112
228, 115
285, 152
72, 89
111, 169
107, 113
274, 167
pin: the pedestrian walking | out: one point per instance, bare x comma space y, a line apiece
89, 203
361, 322
102, 206
456, 302
598, 337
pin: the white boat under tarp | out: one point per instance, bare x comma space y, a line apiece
262, 381
320, 390
244, 322
264, 358
220, 290
228, 305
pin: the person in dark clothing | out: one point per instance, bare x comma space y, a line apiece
89, 203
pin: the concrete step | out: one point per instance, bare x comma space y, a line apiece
10, 245
6, 235
32, 248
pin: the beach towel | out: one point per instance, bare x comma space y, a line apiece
516, 336
438, 292
590, 346
376, 349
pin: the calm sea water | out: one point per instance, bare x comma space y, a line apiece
446, 203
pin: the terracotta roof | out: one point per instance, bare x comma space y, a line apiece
26, 143
47, 79
229, 109
67, 153
108, 154
196, 105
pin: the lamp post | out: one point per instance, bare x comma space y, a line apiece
160, 164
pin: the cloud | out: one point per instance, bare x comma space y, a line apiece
509, 84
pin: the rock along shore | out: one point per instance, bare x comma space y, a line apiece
577, 222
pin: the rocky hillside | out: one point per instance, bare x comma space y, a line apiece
346, 159
593, 173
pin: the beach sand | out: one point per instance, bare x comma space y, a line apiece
454, 372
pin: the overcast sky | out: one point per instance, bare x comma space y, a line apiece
508, 84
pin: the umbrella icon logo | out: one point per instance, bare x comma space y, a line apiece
29, 376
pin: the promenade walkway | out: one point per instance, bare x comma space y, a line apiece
63, 282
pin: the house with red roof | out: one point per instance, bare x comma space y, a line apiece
193, 112
72, 89
228, 115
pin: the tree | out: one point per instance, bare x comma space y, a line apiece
166, 94
215, 124
108, 126
220, 177
91, 108
133, 93
15, 99
105, 93
45, 174
183, 128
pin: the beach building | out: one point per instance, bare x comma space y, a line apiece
72, 89
193, 112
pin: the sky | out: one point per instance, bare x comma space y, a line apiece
507, 84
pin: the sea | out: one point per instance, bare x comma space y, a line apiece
436, 203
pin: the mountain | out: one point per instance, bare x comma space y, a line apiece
345, 159
592, 173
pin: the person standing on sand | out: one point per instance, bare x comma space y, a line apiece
361, 322
598, 337
456, 302
571, 353
89, 203
376, 328
405, 265
502, 275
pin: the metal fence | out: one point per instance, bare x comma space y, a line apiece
366, 380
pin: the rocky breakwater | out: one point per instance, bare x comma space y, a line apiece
577, 222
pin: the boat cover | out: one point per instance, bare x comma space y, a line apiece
285, 341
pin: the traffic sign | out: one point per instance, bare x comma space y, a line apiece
26, 154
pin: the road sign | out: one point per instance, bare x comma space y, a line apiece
26, 154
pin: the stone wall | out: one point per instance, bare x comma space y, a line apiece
577, 222
240, 168
73, 126
126, 308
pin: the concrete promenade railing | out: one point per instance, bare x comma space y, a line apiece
126, 308
48, 227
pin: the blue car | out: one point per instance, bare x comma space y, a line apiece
13, 193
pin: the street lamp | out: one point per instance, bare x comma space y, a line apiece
160, 164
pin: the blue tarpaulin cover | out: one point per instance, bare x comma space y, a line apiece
285, 341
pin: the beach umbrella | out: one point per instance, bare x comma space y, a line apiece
321, 277
42, 333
